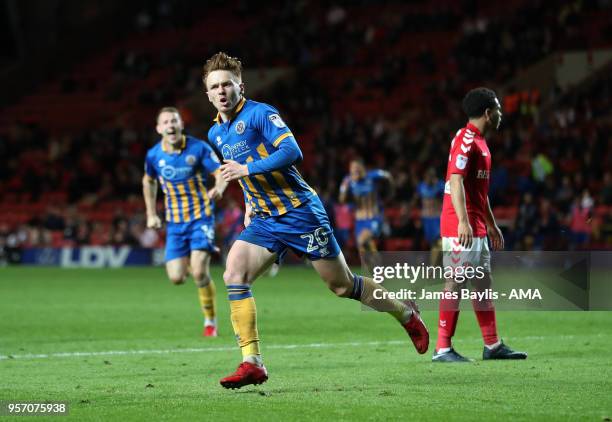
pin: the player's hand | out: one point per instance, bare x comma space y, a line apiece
232, 170
215, 194
154, 222
247, 217
345, 185
496, 236
465, 234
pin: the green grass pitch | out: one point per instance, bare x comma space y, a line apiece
143, 357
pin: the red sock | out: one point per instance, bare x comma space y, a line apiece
449, 314
485, 313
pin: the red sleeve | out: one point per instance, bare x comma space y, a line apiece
461, 153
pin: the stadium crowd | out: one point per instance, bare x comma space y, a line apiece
551, 181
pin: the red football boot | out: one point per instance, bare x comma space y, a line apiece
210, 331
246, 374
416, 329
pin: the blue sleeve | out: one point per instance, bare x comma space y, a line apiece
149, 166
209, 159
287, 153
377, 174
272, 127
211, 141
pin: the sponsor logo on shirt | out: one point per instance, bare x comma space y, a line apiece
232, 152
482, 174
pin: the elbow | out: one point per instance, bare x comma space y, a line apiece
298, 156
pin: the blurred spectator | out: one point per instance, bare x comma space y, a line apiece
580, 223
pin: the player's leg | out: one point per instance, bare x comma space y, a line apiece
454, 255
340, 280
177, 270
177, 254
484, 309
245, 262
447, 323
200, 269
366, 244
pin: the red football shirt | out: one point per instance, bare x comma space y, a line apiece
470, 157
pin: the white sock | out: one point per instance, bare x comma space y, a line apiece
493, 346
210, 322
443, 350
254, 359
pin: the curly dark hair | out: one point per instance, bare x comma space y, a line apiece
477, 100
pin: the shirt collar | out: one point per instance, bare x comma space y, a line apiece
238, 109
181, 148
473, 129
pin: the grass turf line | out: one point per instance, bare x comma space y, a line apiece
48, 310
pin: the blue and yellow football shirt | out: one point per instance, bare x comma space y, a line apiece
256, 132
365, 194
182, 177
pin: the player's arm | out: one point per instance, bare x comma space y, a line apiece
288, 152
464, 229
149, 192
216, 193
248, 212
385, 175
344, 190
269, 124
493, 231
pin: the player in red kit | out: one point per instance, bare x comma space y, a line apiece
467, 224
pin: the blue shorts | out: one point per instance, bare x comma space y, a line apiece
305, 230
372, 224
182, 238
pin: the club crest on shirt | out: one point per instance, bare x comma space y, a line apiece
277, 121
240, 126
190, 159
461, 161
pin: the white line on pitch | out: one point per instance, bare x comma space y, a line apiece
229, 349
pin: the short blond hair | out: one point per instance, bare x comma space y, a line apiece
222, 61
166, 110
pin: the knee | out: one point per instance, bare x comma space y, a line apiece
451, 285
340, 286
201, 279
177, 279
481, 284
231, 276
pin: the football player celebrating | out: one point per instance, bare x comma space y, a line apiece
181, 164
282, 213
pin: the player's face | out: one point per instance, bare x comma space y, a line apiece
357, 170
224, 90
496, 116
170, 126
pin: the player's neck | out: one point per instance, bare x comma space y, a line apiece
480, 124
227, 116
172, 148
